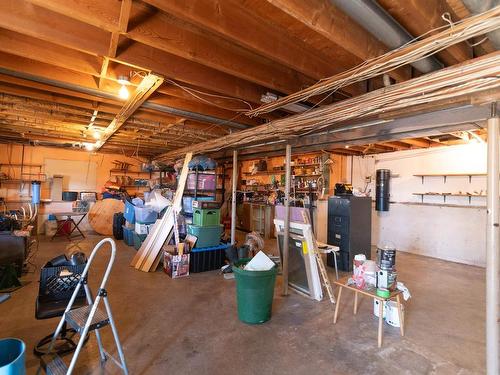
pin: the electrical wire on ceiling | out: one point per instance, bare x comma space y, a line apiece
194, 92
465, 79
416, 49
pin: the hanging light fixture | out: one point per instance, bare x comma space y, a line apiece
124, 81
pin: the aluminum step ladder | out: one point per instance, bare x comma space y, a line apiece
85, 319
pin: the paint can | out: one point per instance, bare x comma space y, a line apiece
35, 192
386, 257
386, 279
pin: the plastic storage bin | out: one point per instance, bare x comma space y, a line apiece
145, 215
205, 181
187, 202
206, 217
207, 236
128, 235
207, 259
129, 213
142, 229
138, 239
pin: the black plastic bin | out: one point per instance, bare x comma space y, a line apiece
207, 258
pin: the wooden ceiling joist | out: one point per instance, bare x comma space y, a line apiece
147, 87
327, 20
234, 22
425, 15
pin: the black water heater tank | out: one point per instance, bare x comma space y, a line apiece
382, 190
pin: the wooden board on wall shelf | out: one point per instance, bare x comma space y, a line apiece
101, 215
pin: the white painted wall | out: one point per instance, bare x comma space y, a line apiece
455, 231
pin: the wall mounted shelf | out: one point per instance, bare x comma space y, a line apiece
445, 175
444, 195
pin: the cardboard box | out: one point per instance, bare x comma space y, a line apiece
176, 266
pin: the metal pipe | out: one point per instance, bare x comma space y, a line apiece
106, 95
233, 197
286, 235
480, 6
378, 22
492, 245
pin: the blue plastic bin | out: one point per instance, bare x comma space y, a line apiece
138, 239
128, 235
12, 357
145, 215
129, 213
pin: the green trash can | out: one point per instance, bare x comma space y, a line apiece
254, 293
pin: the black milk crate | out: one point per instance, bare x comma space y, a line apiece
207, 258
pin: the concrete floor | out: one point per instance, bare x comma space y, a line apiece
190, 325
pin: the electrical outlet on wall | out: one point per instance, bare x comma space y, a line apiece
368, 179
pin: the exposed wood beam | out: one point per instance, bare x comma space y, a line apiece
461, 11
125, 8
397, 145
74, 78
15, 87
49, 53
138, 54
232, 21
418, 142
147, 87
35, 21
419, 17
25, 18
165, 33
324, 18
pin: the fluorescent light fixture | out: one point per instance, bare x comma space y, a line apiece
97, 135
270, 97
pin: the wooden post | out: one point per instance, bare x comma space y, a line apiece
233, 197
492, 244
286, 235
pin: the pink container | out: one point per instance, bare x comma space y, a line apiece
205, 181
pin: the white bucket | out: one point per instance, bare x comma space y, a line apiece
390, 312
50, 227
391, 315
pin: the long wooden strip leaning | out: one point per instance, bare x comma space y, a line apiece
164, 227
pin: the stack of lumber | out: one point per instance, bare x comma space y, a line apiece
148, 256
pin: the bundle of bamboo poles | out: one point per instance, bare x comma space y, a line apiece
408, 53
467, 78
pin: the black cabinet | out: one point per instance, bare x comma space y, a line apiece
349, 228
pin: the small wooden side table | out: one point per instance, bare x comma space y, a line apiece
342, 283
